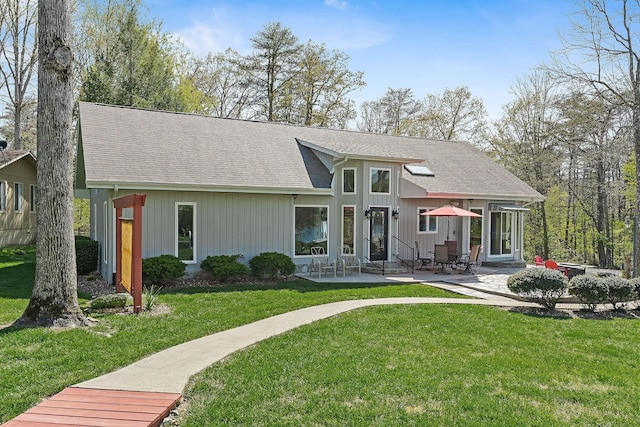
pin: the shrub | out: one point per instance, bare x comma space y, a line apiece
162, 268
223, 267
272, 264
590, 290
635, 282
541, 285
86, 255
110, 301
620, 291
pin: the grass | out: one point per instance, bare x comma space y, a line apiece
428, 366
391, 366
36, 363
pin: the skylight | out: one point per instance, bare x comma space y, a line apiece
419, 170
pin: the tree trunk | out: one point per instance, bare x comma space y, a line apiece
54, 301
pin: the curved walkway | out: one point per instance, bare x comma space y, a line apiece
169, 370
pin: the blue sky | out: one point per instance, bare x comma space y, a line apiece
426, 45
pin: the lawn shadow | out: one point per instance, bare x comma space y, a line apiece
16, 281
543, 312
301, 286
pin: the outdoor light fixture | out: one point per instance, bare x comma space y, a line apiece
367, 214
395, 213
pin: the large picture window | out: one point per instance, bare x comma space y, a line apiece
380, 181
311, 228
427, 224
186, 231
348, 230
348, 181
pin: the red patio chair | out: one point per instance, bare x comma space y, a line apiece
551, 264
539, 261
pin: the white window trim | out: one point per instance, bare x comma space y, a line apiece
32, 196
105, 232
371, 169
293, 242
194, 233
422, 208
355, 213
355, 181
475, 209
18, 199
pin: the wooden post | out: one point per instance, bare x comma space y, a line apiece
135, 201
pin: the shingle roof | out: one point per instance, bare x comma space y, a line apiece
10, 156
143, 149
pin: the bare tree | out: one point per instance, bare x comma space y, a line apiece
601, 52
393, 113
54, 301
454, 115
18, 49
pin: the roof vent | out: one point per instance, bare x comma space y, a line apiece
419, 170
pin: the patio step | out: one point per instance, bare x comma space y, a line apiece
389, 268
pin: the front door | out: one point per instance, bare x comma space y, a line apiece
378, 235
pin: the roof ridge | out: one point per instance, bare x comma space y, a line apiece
352, 131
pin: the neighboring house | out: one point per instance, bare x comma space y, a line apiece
222, 186
17, 198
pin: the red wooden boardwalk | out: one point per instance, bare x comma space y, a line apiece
75, 406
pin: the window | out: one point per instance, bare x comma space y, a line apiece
427, 224
3, 196
32, 198
380, 181
311, 228
186, 231
348, 229
475, 227
348, 181
18, 197
105, 232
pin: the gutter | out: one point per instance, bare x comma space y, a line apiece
333, 169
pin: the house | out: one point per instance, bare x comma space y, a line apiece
17, 198
223, 186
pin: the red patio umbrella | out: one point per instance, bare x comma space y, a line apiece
449, 211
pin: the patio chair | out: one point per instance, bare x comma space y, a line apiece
470, 259
539, 261
424, 261
552, 265
348, 261
441, 257
320, 262
452, 246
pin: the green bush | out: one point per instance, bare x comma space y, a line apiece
620, 291
590, 290
541, 285
272, 264
162, 268
223, 267
635, 282
110, 301
86, 255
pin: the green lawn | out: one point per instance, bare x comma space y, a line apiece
379, 366
429, 366
36, 363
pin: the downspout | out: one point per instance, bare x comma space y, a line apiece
333, 170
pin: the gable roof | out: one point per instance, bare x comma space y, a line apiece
142, 149
8, 157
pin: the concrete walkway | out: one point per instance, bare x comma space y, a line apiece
162, 377
169, 370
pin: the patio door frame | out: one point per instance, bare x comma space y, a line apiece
379, 252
